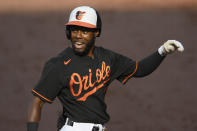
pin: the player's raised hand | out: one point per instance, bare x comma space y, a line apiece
170, 46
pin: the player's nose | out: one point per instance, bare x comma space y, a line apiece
79, 34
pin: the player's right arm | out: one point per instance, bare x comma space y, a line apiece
34, 114
46, 90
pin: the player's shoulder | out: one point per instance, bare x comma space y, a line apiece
111, 55
58, 59
66, 52
106, 52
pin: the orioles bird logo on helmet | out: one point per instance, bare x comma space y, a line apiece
80, 14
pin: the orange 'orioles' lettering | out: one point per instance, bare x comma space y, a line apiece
85, 82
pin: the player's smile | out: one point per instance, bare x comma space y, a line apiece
79, 45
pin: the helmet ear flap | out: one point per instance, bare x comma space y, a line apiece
99, 23
67, 31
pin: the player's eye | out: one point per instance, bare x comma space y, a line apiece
75, 31
85, 32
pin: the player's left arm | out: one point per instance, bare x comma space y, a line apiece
150, 63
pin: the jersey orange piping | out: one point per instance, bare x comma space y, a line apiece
42, 96
136, 67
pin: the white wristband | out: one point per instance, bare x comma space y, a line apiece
162, 51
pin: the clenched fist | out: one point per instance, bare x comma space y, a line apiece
170, 46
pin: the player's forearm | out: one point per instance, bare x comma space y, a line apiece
35, 111
34, 115
149, 64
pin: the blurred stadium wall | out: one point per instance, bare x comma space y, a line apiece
32, 31
58, 5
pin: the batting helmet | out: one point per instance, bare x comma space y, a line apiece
84, 16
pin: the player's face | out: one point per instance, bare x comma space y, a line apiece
82, 39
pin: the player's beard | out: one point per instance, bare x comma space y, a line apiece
87, 49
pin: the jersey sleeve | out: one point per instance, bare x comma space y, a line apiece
50, 82
123, 68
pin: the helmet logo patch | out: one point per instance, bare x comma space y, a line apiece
80, 14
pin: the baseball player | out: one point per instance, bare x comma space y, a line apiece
80, 75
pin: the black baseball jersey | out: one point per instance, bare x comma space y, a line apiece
81, 82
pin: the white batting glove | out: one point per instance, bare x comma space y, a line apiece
170, 46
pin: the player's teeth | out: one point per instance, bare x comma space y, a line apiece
78, 43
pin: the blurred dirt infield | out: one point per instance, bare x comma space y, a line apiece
164, 101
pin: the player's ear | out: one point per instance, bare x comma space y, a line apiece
96, 33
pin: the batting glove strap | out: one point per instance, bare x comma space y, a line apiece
162, 51
32, 126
